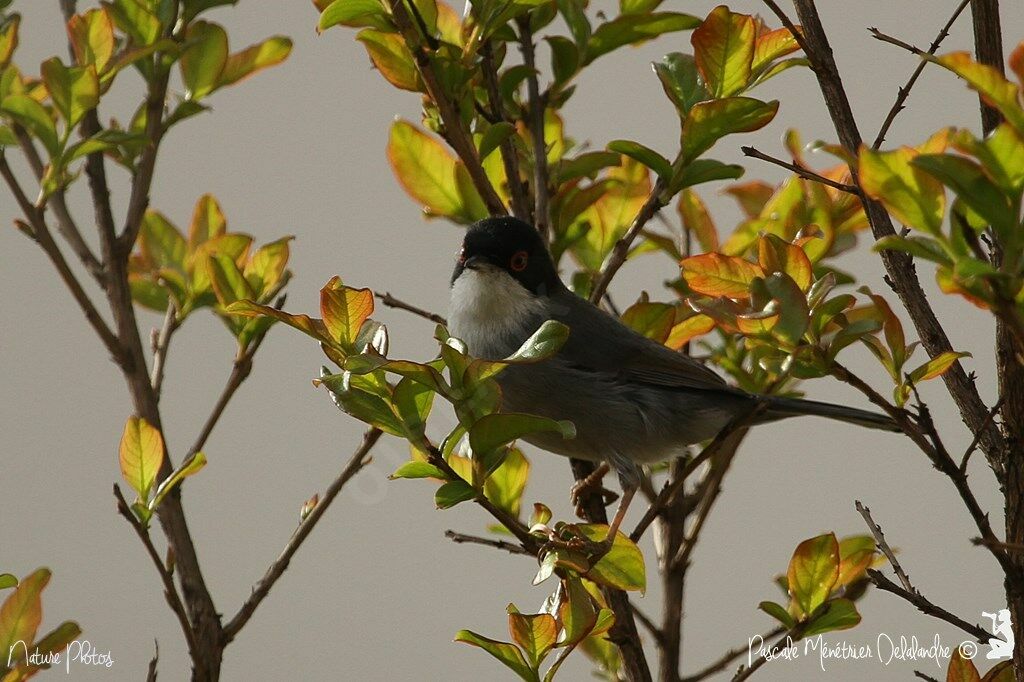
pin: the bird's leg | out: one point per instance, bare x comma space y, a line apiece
591, 483
620, 512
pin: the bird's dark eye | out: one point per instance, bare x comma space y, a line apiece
519, 261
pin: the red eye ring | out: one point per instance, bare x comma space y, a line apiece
520, 259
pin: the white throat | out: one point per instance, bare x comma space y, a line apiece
492, 313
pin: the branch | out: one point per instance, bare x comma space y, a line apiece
899, 266
355, 464
42, 236
509, 157
239, 373
786, 639
988, 49
904, 92
391, 302
170, 591
926, 607
728, 657
536, 124
712, 489
921, 676
648, 624
621, 250
460, 538
876, 531
885, 38
977, 437
454, 133
735, 426
161, 343
801, 171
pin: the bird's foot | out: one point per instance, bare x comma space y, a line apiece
590, 485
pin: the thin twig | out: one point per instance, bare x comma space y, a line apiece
876, 531
921, 676
977, 437
45, 240
904, 92
801, 171
170, 591
487, 542
926, 607
391, 302
652, 205
356, 462
536, 124
240, 370
648, 624
712, 489
785, 640
510, 159
728, 657
885, 38
1005, 546
737, 424
161, 344
151, 672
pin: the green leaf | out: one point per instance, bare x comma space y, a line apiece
229, 284
778, 612
936, 367
392, 57
141, 455
191, 466
911, 195
494, 136
418, 469
31, 115
453, 493
508, 654
505, 486
969, 182
161, 242
7, 580
136, 20
311, 326
622, 567
355, 13
203, 61
535, 634
645, 155
74, 90
996, 90
630, 29
576, 19
254, 58
360, 397
840, 614
813, 572
700, 171
576, 612
919, 247
8, 39
565, 58
708, 122
495, 430
192, 8
22, 612
723, 47
412, 401
344, 310
681, 81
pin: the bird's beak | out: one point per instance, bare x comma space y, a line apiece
474, 262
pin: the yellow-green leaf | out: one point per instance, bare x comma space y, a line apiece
392, 58
856, 554
534, 633
207, 222
989, 83
8, 40
723, 46
714, 274
254, 58
708, 122
508, 654
622, 567
203, 61
22, 612
141, 454
92, 38
344, 310
813, 572
191, 466
937, 366
30, 114
426, 170
914, 197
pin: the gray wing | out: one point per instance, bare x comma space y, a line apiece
599, 342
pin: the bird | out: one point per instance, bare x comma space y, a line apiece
632, 400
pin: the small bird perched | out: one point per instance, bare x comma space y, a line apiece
632, 400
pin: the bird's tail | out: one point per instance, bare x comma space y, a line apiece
782, 408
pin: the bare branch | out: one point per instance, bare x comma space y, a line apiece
899, 266
876, 531
170, 591
728, 657
649, 625
391, 302
921, 676
161, 344
904, 92
356, 462
1005, 546
239, 373
487, 542
801, 171
652, 205
535, 117
926, 607
988, 49
510, 159
885, 38
977, 437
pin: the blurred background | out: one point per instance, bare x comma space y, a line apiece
377, 592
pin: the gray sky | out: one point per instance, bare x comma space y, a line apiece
377, 593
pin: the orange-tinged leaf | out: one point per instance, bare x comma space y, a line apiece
449, 24
266, 267
961, 669
989, 83
254, 58
535, 634
696, 220
813, 572
757, 324
1001, 672
1017, 63
304, 323
21, 614
723, 46
777, 255
937, 366
688, 329
207, 221
92, 38
892, 327
856, 554
426, 170
344, 310
751, 196
948, 284
937, 143
141, 454
771, 45
714, 274
914, 197
392, 58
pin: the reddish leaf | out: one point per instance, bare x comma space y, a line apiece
777, 255
771, 45
989, 83
690, 328
697, 221
21, 614
714, 274
344, 310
